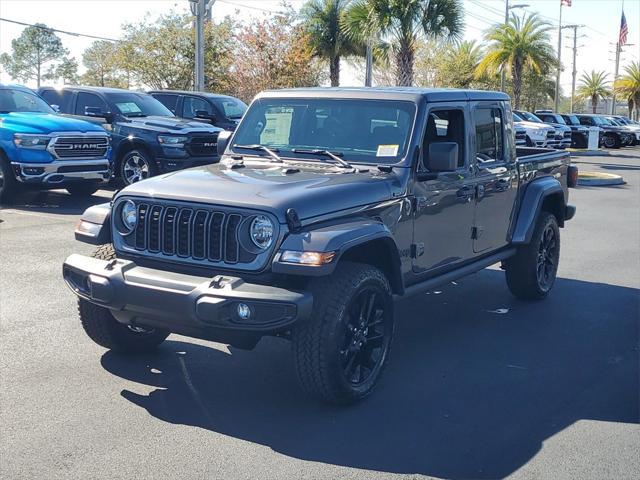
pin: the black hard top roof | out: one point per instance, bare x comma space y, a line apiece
413, 94
189, 92
84, 88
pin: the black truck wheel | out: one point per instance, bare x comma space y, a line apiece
136, 165
340, 352
8, 183
82, 189
106, 331
612, 141
531, 272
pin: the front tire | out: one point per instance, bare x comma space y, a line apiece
341, 351
106, 331
8, 183
136, 165
532, 271
612, 141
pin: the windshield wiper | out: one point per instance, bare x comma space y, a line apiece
342, 163
275, 158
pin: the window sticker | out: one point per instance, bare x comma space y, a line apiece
128, 107
387, 150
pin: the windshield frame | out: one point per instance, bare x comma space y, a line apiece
121, 98
47, 108
526, 115
346, 153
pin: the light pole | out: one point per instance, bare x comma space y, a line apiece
199, 9
507, 9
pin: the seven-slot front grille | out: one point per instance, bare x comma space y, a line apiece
203, 145
189, 233
80, 147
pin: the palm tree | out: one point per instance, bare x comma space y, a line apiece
521, 42
402, 23
629, 87
323, 19
593, 86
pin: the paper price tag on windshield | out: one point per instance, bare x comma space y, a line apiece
387, 150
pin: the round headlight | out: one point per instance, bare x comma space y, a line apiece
261, 232
129, 215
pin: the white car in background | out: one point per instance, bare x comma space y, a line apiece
538, 134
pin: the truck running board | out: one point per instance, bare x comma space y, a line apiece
439, 280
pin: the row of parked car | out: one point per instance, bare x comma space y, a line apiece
80, 137
547, 129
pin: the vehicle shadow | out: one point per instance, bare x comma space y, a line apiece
477, 381
56, 201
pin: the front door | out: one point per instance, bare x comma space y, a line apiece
495, 175
444, 205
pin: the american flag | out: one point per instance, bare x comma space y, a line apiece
624, 30
566, 3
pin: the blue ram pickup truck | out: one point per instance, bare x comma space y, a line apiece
41, 149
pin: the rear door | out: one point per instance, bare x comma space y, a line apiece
495, 171
444, 205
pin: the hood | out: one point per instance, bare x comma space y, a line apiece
45, 123
559, 126
264, 186
169, 125
534, 126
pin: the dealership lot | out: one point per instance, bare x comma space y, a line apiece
480, 385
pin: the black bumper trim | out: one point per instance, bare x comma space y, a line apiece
183, 303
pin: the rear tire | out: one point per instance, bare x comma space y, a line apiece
341, 351
531, 272
106, 331
82, 189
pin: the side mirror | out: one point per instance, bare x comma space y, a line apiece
56, 108
442, 157
205, 115
93, 112
223, 140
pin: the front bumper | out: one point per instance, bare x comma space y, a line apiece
170, 164
190, 305
62, 172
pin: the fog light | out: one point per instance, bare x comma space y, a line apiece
244, 311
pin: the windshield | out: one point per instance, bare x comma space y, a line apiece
232, 107
606, 121
370, 131
139, 105
530, 117
614, 121
22, 101
571, 119
517, 118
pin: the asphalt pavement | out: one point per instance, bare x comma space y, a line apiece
480, 385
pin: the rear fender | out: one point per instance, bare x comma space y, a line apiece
545, 191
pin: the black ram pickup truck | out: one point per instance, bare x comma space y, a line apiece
146, 137
326, 206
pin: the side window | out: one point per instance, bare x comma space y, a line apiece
446, 126
191, 105
489, 134
585, 121
169, 101
89, 100
61, 98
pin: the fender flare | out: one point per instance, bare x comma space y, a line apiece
341, 238
129, 143
94, 226
531, 205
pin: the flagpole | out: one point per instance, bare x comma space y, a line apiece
615, 74
557, 99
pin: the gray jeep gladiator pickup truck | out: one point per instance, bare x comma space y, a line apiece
327, 205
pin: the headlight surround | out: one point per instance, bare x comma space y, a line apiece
129, 215
176, 141
36, 142
261, 232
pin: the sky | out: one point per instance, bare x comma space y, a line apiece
105, 17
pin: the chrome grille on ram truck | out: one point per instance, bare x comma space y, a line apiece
73, 147
203, 235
